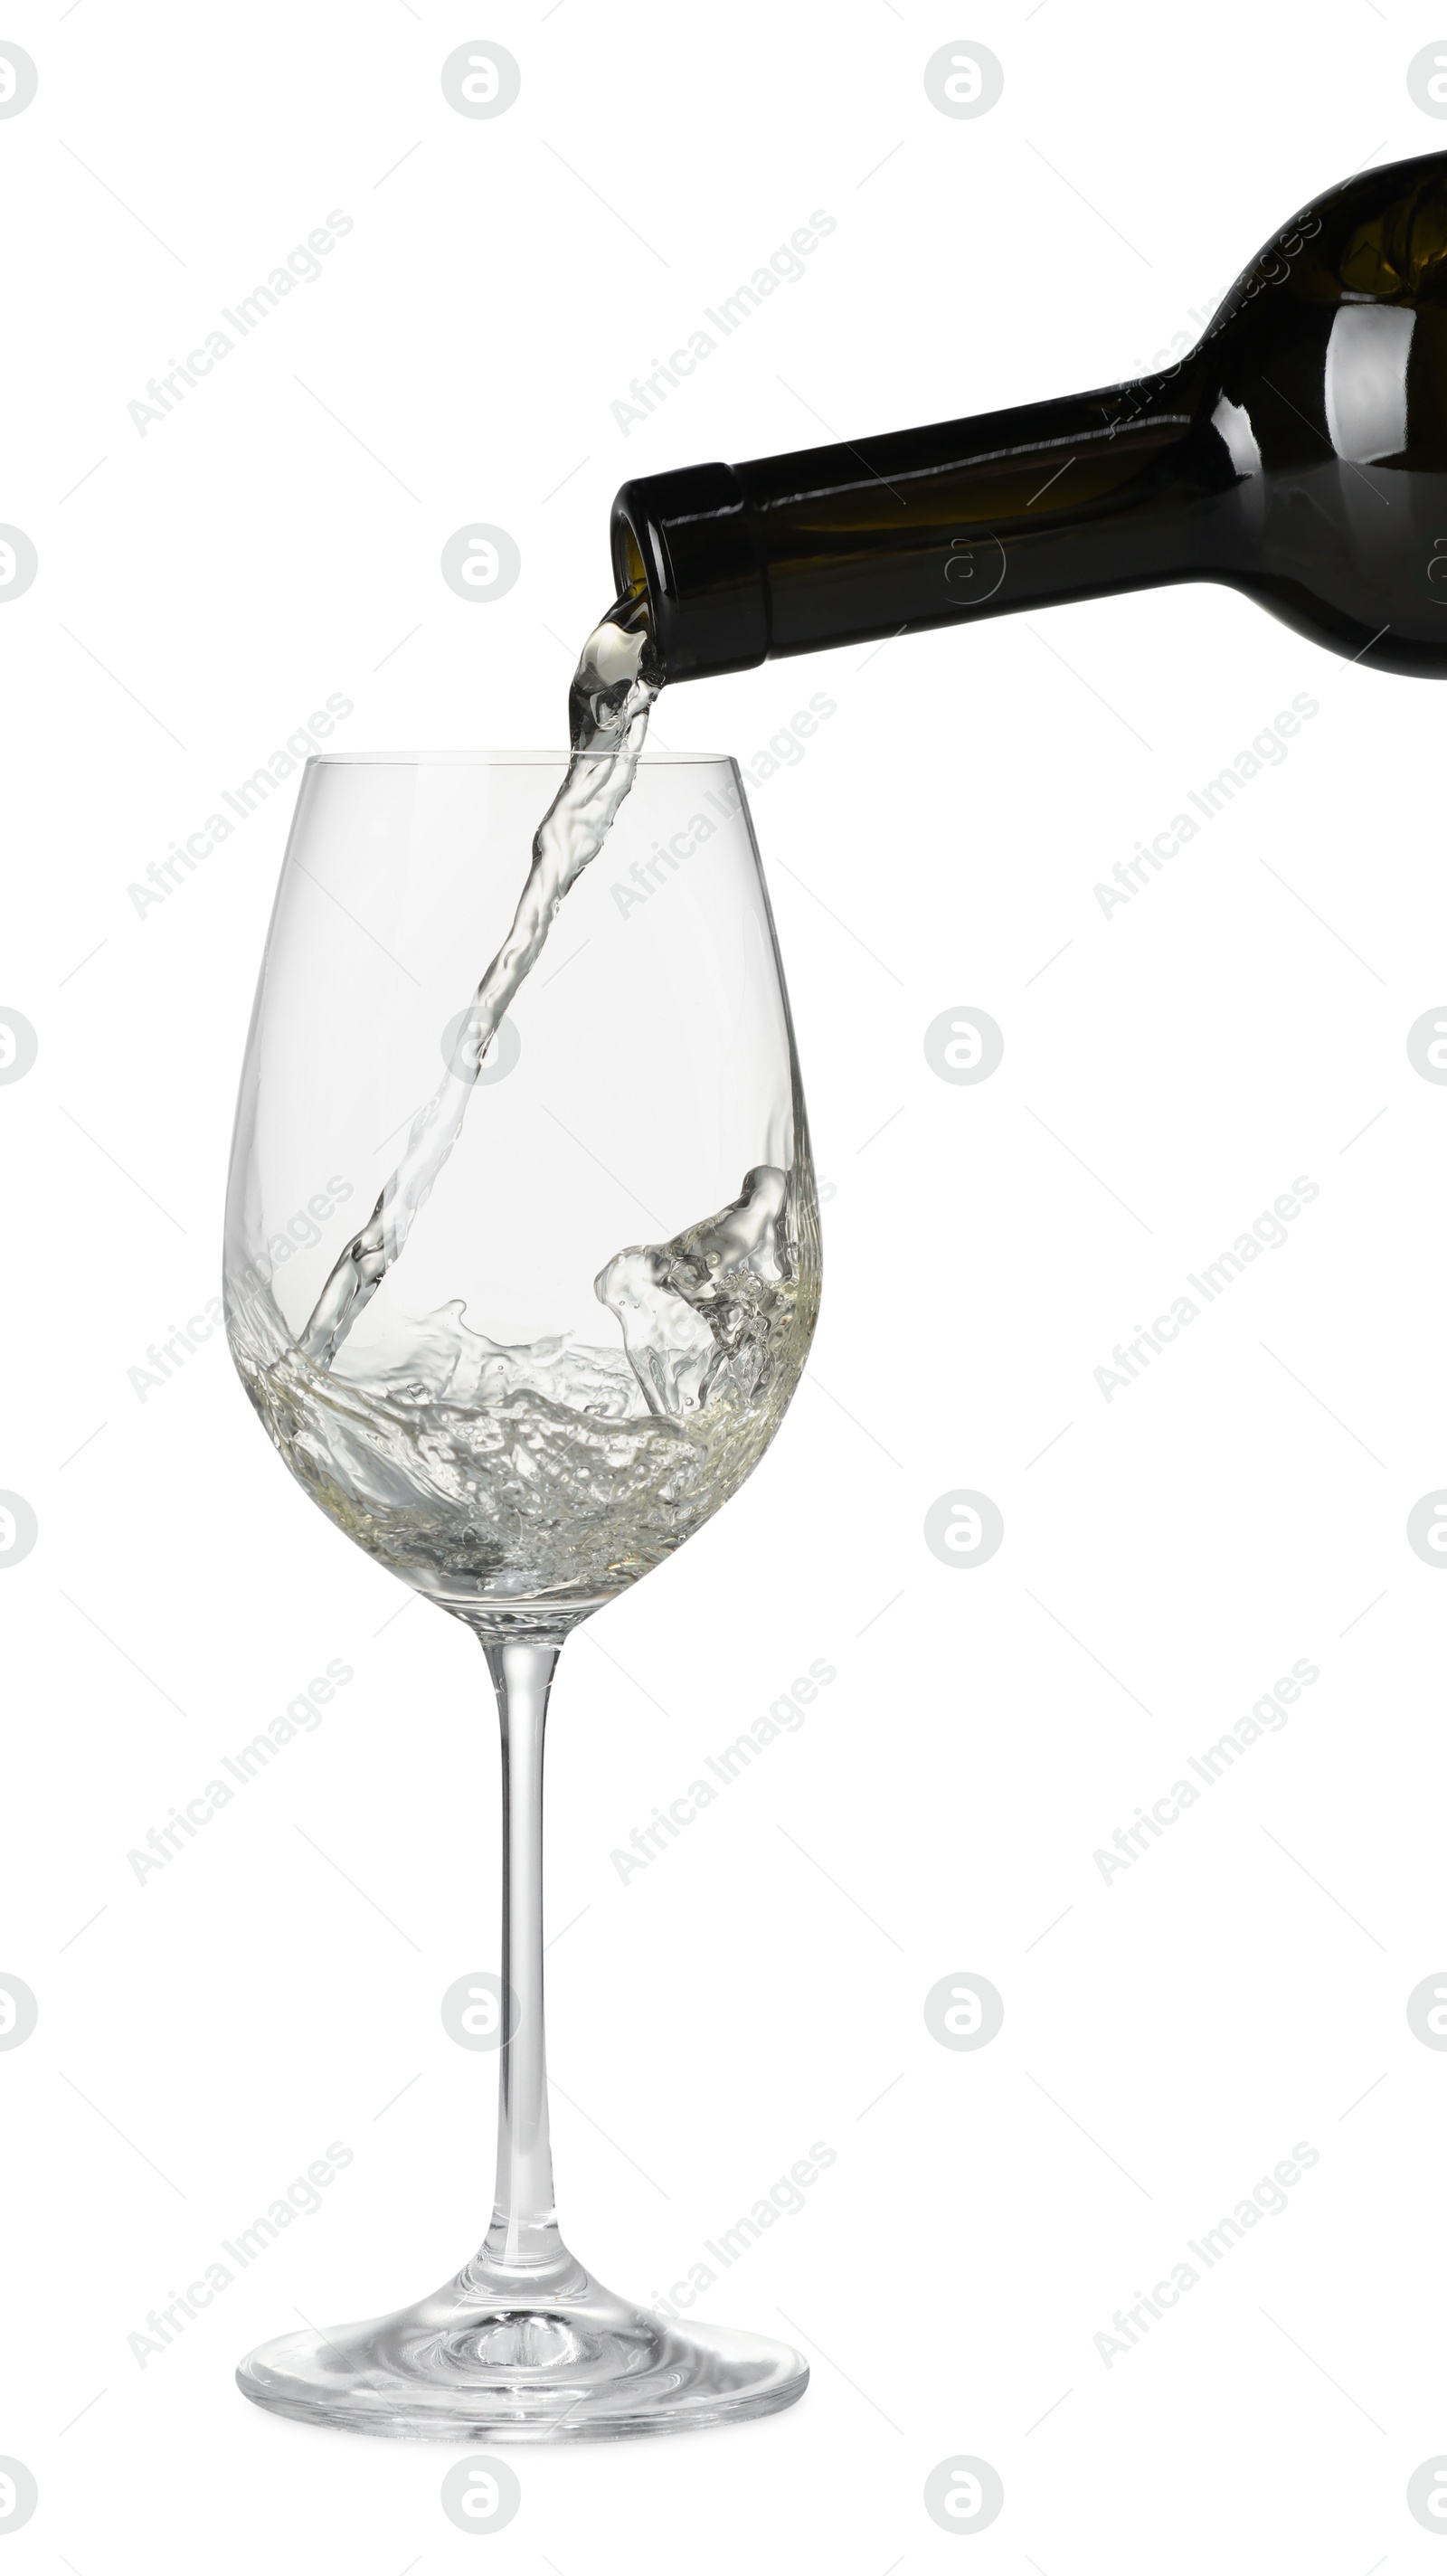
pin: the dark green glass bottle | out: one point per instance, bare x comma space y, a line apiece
1299, 453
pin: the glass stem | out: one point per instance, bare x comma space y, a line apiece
524, 2235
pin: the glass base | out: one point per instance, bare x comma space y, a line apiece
493, 2357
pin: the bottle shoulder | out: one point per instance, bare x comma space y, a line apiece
1380, 235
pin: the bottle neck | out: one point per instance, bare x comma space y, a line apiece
1093, 493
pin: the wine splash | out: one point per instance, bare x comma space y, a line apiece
522, 1486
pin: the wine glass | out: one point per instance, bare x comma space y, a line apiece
585, 1344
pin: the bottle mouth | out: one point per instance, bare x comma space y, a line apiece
629, 569
688, 539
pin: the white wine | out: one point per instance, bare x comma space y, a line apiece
523, 1485
526, 1485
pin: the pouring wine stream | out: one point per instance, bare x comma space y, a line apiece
616, 682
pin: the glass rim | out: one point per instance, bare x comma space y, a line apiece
507, 759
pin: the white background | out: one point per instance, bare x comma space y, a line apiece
1168, 2037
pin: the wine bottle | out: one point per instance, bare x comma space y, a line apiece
1298, 453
